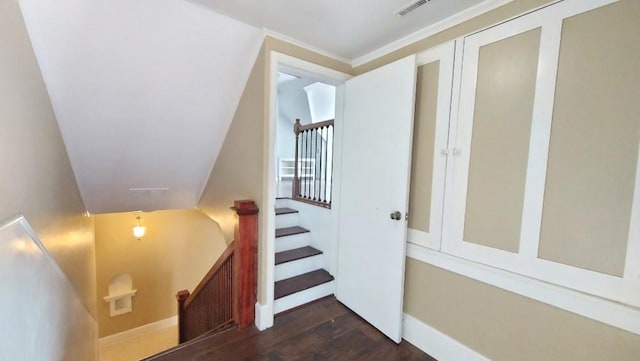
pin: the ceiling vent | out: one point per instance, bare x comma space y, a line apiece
148, 192
410, 7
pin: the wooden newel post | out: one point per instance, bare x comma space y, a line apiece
245, 262
181, 297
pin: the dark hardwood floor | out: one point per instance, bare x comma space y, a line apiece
325, 331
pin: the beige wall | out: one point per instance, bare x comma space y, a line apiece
238, 172
424, 136
504, 326
37, 179
178, 249
499, 156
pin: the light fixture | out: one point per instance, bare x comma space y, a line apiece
138, 230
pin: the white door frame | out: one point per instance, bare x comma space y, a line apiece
266, 262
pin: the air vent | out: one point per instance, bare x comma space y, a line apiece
148, 192
410, 7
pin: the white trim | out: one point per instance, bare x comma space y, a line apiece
303, 68
268, 227
596, 308
430, 30
264, 316
137, 332
422, 238
301, 44
445, 54
277, 61
450, 198
336, 196
435, 343
632, 263
541, 116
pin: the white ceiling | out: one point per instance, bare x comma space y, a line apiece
346, 28
144, 90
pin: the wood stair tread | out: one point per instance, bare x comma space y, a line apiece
296, 254
302, 282
285, 210
290, 231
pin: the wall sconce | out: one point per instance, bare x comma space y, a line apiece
138, 230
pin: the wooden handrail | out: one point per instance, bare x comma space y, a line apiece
224, 257
227, 293
313, 154
298, 128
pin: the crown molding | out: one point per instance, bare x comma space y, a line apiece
456, 19
430, 30
296, 42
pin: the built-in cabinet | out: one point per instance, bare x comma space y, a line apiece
526, 148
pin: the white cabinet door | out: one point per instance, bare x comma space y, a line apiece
541, 179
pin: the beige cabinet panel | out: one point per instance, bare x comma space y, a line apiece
505, 91
424, 129
593, 153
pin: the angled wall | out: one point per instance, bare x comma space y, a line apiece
37, 180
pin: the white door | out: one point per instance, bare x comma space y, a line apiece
376, 156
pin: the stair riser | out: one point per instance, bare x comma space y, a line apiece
302, 297
298, 267
287, 220
280, 203
292, 242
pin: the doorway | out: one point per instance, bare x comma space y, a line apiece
305, 139
326, 83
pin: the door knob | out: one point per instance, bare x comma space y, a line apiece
396, 216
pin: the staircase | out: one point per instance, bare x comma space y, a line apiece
299, 274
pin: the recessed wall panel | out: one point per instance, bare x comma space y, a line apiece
424, 127
595, 132
505, 91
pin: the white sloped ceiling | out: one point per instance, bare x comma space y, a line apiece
144, 91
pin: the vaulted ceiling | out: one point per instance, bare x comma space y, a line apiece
145, 90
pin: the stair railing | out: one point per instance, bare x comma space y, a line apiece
313, 170
227, 294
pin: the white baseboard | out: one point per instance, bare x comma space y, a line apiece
137, 332
435, 343
264, 316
